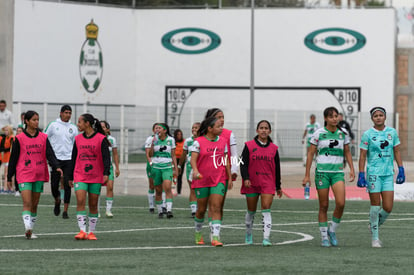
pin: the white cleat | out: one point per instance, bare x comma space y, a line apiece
109, 214
376, 243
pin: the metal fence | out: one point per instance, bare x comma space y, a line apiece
131, 125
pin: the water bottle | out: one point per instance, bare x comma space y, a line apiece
173, 187
307, 191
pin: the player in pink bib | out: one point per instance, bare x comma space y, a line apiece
210, 165
260, 170
28, 161
91, 161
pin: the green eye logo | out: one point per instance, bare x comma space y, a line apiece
335, 41
190, 41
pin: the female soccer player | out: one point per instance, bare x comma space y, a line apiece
210, 165
232, 154
29, 156
91, 163
310, 128
380, 145
332, 145
164, 167
186, 156
260, 170
113, 151
5, 147
179, 145
151, 189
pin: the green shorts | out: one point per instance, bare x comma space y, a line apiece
252, 195
94, 188
324, 180
160, 175
204, 192
377, 184
36, 186
148, 169
111, 173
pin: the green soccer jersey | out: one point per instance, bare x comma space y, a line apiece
311, 129
112, 140
330, 148
187, 145
162, 153
380, 150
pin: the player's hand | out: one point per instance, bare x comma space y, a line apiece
230, 183
401, 175
197, 176
351, 176
361, 180
247, 183
60, 172
279, 193
71, 183
306, 180
117, 172
234, 176
105, 178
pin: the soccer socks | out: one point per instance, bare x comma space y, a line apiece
373, 219
81, 217
323, 228
216, 225
267, 223
93, 219
193, 206
62, 194
249, 218
163, 199
26, 215
151, 198
33, 219
109, 202
198, 224
334, 224
383, 215
169, 203
159, 206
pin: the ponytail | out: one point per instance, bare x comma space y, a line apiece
208, 122
95, 124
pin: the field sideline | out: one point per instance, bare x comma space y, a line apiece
136, 242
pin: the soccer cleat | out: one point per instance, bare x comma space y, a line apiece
369, 228
109, 214
91, 237
34, 236
160, 215
17, 194
56, 210
376, 243
65, 215
249, 239
164, 210
199, 238
193, 214
325, 243
169, 215
266, 242
216, 242
81, 235
332, 238
151, 210
28, 234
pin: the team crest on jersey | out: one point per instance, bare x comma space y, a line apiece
389, 137
320, 182
340, 136
70, 130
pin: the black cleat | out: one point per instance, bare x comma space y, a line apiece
169, 215
151, 210
65, 215
56, 210
160, 215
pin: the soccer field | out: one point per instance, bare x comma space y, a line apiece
137, 242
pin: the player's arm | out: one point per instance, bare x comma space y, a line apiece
309, 159
14, 157
116, 161
348, 157
278, 182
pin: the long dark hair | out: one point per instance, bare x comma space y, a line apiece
28, 115
270, 128
330, 111
176, 135
95, 124
208, 122
212, 112
107, 126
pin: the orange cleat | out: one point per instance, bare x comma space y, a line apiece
216, 242
92, 237
81, 235
199, 239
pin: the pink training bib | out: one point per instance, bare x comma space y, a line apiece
89, 166
32, 163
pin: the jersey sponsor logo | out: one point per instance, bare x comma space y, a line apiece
88, 167
335, 41
333, 143
163, 148
384, 144
190, 41
91, 60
